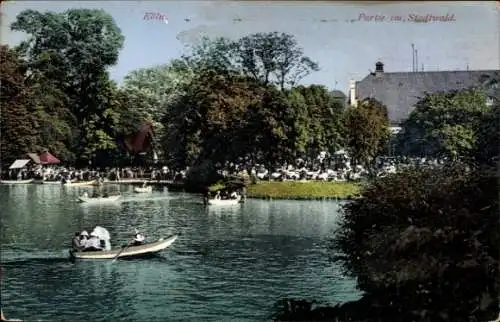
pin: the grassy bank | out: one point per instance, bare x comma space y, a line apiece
303, 190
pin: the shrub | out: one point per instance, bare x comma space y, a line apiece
426, 241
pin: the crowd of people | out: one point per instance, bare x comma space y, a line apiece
337, 168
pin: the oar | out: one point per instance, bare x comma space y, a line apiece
121, 250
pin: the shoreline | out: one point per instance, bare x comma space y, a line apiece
268, 190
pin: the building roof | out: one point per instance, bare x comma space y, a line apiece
400, 91
19, 164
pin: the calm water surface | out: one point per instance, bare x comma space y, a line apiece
229, 263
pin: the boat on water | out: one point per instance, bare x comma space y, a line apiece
52, 182
16, 181
3, 318
143, 189
127, 251
80, 183
224, 202
86, 199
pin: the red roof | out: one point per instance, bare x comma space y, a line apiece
47, 158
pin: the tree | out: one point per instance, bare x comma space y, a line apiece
217, 55
486, 149
425, 241
444, 124
318, 120
274, 58
80, 45
17, 122
152, 91
367, 130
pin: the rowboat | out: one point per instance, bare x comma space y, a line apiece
143, 189
224, 202
127, 252
3, 318
98, 199
16, 181
52, 182
80, 183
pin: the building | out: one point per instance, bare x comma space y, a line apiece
400, 91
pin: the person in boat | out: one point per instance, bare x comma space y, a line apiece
93, 244
82, 241
217, 195
138, 239
77, 245
234, 195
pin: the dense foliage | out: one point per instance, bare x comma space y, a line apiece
445, 124
223, 101
427, 240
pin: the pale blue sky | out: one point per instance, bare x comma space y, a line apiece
329, 32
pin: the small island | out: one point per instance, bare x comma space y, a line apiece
304, 190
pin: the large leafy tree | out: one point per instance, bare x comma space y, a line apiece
17, 122
274, 58
80, 45
317, 120
444, 124
271, 58
153, 90
366, 130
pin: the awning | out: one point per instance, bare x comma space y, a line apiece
47, 158
19, 164
34, 157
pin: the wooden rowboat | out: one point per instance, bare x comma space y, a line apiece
52, 182
143, 189
3, 318
98, 199
224, 202
80, 183
16, 181
127, 252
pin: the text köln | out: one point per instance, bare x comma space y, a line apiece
412, 17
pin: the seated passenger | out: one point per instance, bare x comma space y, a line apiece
76, 245
138, 239
93, 244
234, 195
84, 237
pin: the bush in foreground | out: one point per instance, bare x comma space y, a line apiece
423, 245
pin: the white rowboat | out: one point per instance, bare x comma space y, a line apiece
80, 183
98, 199
127, 252
143, 189
224, 202
16, 181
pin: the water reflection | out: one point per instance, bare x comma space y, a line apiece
228, 262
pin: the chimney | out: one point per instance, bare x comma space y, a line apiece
352, 93
379, 68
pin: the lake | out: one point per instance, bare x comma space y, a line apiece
228, 263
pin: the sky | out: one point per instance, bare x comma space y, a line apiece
340, 35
